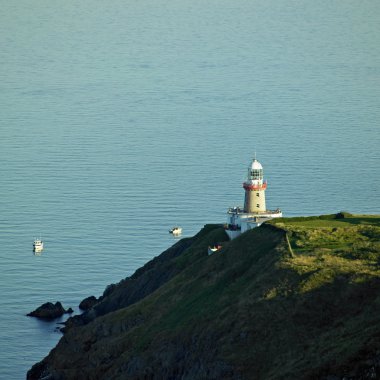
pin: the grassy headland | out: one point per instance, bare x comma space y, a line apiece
297, 298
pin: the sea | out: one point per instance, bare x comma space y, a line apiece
122, 119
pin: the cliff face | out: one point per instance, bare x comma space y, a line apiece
293, 299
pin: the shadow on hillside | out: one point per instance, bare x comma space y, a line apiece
363, 220
331, 330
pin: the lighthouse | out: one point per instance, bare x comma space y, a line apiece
254, 186
254, 212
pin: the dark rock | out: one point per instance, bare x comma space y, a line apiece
88, 303
342, 215
39, 371
49, 311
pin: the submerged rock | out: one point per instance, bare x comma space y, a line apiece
50, 311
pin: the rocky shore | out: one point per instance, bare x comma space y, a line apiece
50, 310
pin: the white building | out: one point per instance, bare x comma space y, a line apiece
254, 212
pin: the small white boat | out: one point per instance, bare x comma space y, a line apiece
176, 230
38, 245
214, 249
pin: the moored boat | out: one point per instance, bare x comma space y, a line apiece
176, 230
214, 249
38, 245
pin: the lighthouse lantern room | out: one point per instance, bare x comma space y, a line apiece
254, 212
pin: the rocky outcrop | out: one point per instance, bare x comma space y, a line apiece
88, 303
50, 311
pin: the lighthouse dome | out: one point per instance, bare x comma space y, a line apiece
255, 165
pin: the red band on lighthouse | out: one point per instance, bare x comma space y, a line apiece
254, 187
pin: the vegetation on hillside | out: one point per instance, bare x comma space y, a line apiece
297, 298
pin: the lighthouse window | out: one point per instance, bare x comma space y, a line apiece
258, 206
257, 174
257, 194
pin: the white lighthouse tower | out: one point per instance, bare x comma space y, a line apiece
255, 187
254, 212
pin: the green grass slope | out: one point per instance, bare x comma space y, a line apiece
297, 298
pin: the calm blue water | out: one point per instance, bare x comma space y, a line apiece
121, 119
